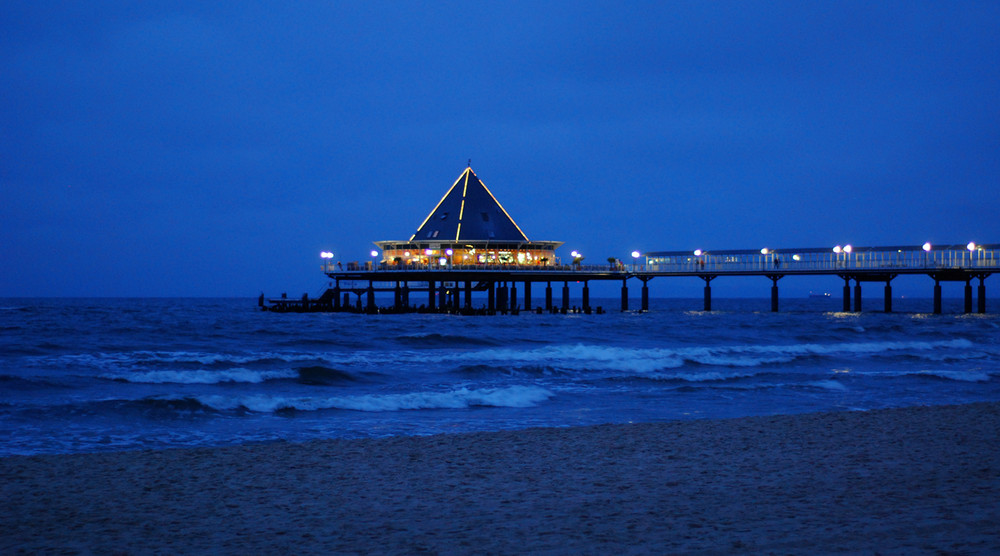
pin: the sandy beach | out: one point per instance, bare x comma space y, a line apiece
917, 480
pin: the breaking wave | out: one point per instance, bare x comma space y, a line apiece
306, 375
512, 396
649, 360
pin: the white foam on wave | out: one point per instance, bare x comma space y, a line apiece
512, 396
829, 385
649, 360
204, 376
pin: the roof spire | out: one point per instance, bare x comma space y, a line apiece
470, 163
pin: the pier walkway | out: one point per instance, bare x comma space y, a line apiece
449, 286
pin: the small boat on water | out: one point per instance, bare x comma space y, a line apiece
818, 295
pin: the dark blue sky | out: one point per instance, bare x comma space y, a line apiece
183, 149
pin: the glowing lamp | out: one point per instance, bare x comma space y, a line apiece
374, 253
927, 246
406, 254
971, 246
837, 249
764, 251
697, 252
428, 252
574, 253
847, 248
449, 252
326, 255
443, 261
636, 254
796, 258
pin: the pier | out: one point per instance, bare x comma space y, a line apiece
441, 285
470, 243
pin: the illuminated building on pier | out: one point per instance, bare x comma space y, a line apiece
468, 227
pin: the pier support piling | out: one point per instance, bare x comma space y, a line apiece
586, 298
982, 295
888, 298
774, 294
857, 295
502, 298
624, 295
707, 305
645, 296
397, 298
968, 296
512, 303
491, 301
548, 296
937, 297
527, 296
565, 296
371, 298
847, 295
468, 294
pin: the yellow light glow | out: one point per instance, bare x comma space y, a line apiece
467, 170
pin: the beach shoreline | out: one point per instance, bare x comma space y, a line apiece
910, 480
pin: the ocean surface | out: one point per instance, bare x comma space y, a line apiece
83, 375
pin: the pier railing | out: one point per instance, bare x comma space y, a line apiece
894, 259
826, 261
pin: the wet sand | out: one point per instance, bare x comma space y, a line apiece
901, 481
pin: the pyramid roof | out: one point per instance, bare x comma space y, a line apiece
469, 212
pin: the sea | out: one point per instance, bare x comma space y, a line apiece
90, 375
